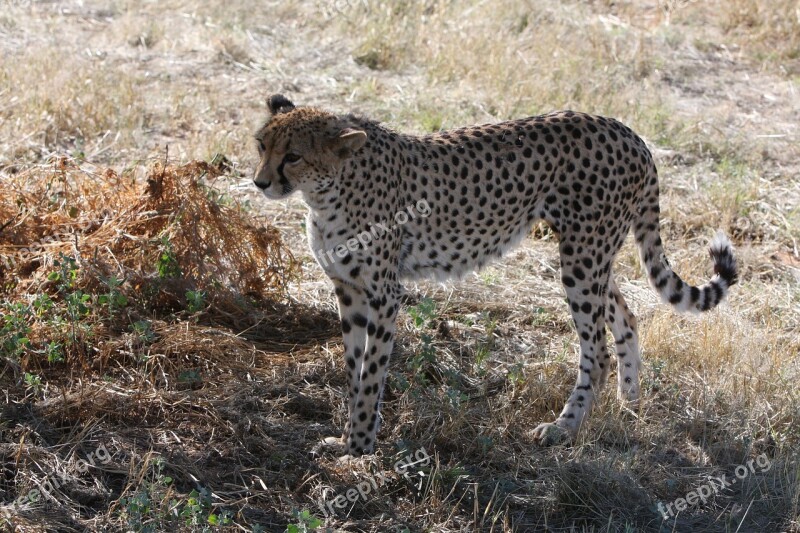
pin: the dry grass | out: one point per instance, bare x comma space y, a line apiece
770, 31
221, 379
84, 114
466, 52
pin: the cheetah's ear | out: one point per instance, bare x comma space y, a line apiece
348, 142
277, 104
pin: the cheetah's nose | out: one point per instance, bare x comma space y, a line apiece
261, 186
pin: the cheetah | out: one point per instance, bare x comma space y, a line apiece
590, 178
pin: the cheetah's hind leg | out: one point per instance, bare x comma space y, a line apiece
585, 278
622, 323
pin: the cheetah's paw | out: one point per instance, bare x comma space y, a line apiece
550, 433
332, 445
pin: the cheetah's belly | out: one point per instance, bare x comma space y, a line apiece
457, 254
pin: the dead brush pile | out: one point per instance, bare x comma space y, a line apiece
144, 317
83, 252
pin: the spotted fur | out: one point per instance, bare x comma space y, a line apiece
590, 178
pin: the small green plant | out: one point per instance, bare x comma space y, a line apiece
422, 316
423, 313
305, 522
225, 518
54, 352
190, 377
482, 353
431, 120
144, 331
14, 330
491, 326
168, 266
541, 317
78, 305
150, 508
425, 356
33, 383
195, 301
516, 375
456, 396
114, 299
218, 197
732, 168
399, 382
67, 274
195, 510
489, 277
467, 320
452, 475
42, 304
484, 348
485, 442
136, 511
653, 380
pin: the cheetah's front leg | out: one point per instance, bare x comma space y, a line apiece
368, 327
365, 418
353, 312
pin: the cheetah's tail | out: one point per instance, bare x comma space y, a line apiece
671, 288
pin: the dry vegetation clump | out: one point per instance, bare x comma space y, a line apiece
84, 248
75, 232
130, 308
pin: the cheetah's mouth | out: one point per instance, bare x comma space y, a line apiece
278, 192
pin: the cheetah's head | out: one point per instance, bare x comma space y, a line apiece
302, 148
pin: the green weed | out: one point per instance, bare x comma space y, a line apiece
168, 266
153, 508
114, 299
33, 383
195, 301
143, 329
15, 330
305, 522
423, 313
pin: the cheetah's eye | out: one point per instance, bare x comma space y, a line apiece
291, 158
261, 146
